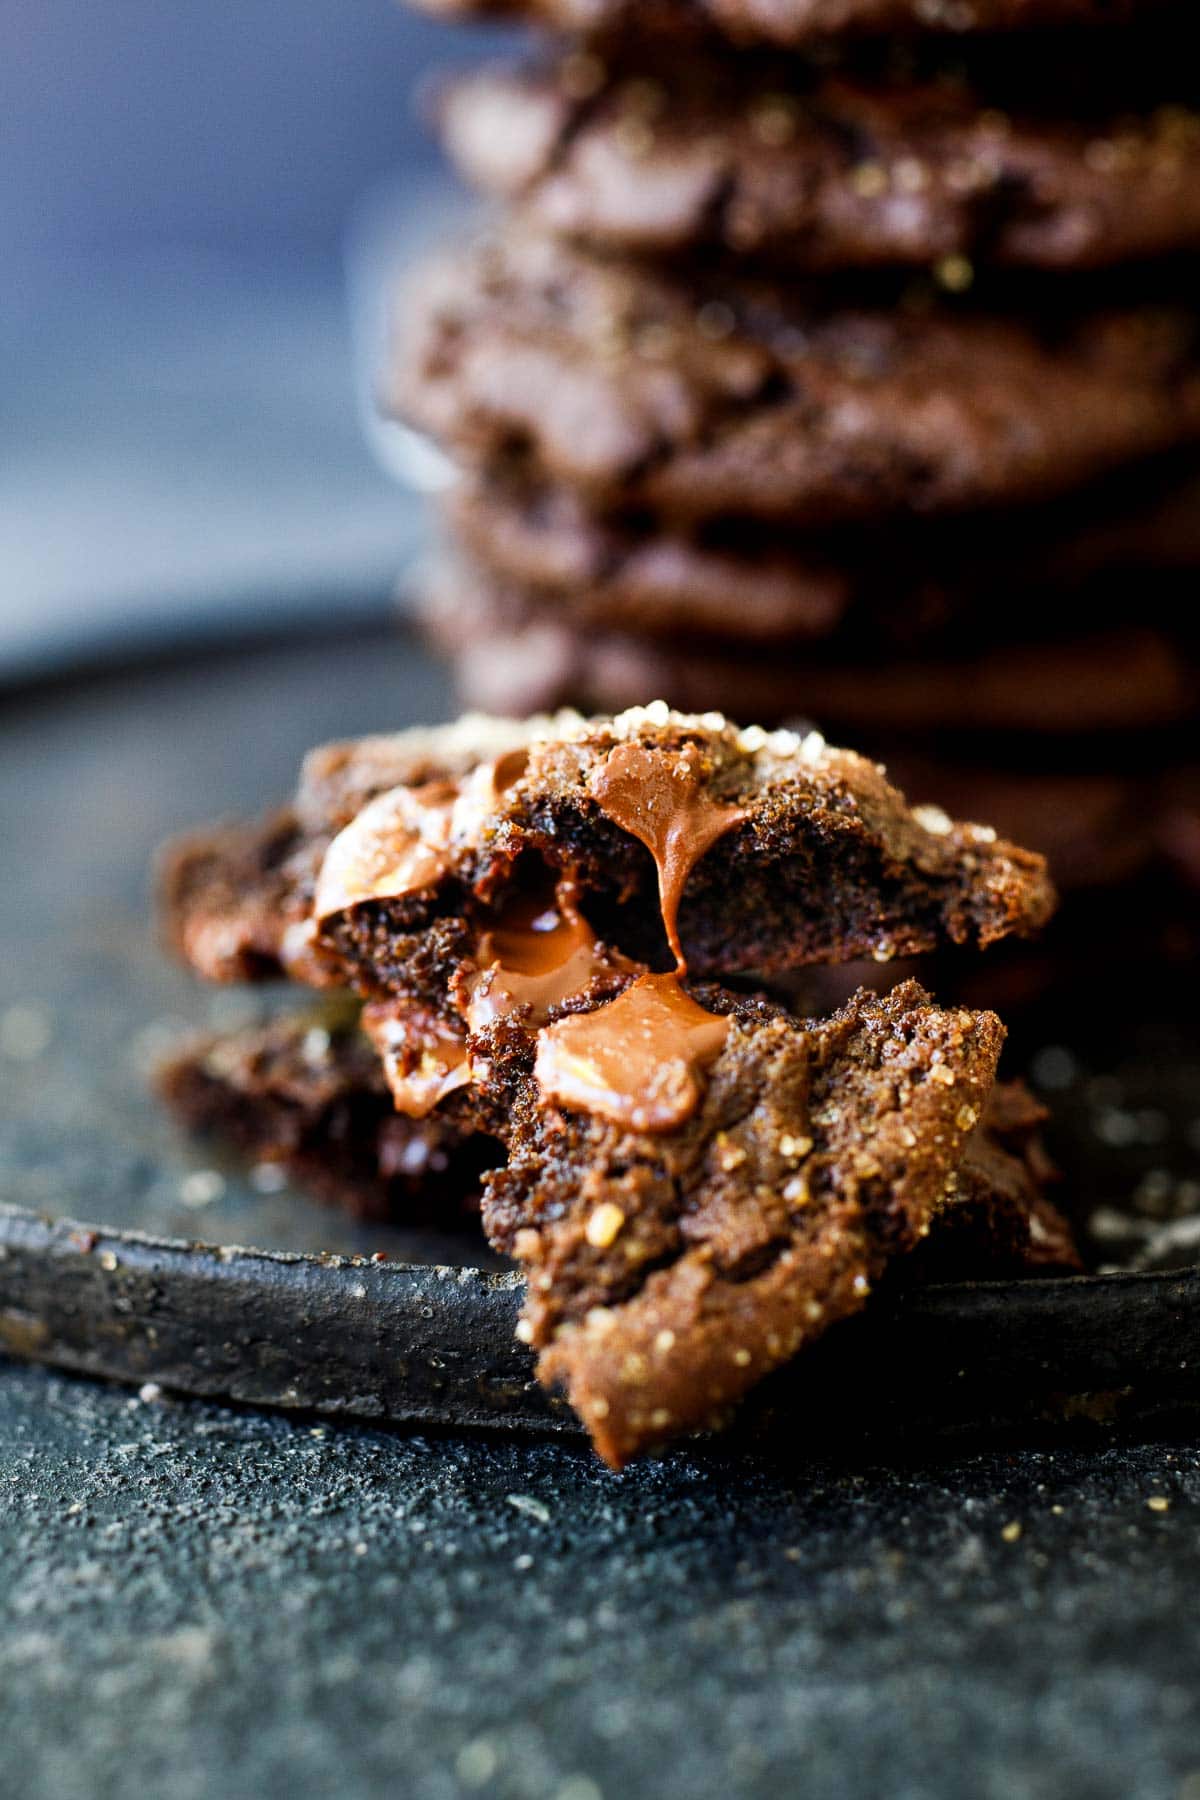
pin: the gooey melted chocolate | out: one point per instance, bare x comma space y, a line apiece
401, 841
423, 1058
658, 797
398, 844
636, 1060
540, 953
639, 1059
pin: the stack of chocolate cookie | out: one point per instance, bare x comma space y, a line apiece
552, 926
817, 374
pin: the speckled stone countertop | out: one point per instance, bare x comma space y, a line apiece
198, 1603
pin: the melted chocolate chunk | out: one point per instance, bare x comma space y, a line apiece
638, 1060
662, 799
399, 844
540, 953
424, 1057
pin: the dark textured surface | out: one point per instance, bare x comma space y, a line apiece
92, 778
201, 1603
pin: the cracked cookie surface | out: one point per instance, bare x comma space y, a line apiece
669, 1273
827, 862
835, 170
701, 396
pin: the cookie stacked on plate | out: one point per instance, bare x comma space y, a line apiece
552, 927
823, 375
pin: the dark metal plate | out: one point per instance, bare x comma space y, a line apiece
434, 1343
399, 1325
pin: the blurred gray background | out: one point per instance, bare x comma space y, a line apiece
182, 444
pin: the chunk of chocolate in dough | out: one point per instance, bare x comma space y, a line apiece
308, 1092
675, 1259
235, 900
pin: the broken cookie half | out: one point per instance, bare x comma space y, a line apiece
304, 1091
538, 916
820, 859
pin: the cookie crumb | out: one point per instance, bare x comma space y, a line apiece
604, 1226
203, 1187
528, 1503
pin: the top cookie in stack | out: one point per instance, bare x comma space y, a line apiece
833, 360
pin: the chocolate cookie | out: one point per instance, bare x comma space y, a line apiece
828, 171
686, 1161
670, 1270
797, 22
1096, 828
699, 397
779, 850
637, 574
308, 1092
818, 1155
982, 579
513, 651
